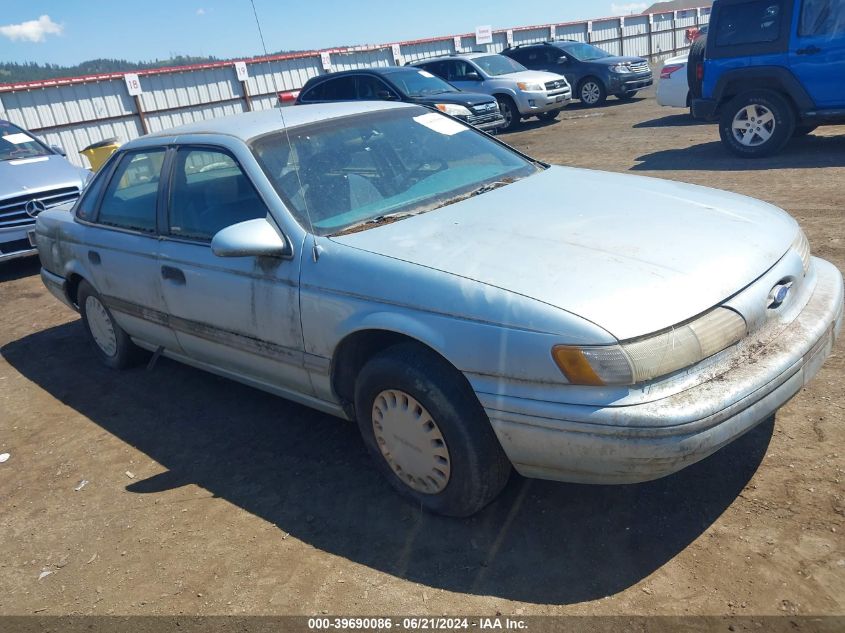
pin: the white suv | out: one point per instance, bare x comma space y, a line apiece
521, 93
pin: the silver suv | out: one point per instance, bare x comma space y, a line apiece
521, 93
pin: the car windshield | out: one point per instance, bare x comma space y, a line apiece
420, 83
16, 144
495, 65
358, 171
586, 52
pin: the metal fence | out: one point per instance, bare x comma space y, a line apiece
76, 112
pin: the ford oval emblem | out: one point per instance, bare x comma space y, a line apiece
778, 295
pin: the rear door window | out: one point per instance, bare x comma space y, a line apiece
130, 199
756, 22
340, 89
822, 17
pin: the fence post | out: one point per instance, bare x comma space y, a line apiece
622, 36
650, 32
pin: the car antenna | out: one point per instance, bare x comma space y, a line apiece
316, 249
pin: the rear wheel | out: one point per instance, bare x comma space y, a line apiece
592, 92
509, 111
549, 116
757, 123
427, 432
110, 341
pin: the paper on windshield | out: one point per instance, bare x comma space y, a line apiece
17, 138
440, 123
425, 73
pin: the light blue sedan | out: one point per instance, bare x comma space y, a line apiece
473, 310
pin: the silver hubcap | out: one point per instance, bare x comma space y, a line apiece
411, 442
99, 322
753, 125
590, 92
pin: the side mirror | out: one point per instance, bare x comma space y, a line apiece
253, 238
58, 150
386, 95
472, 76
563, 60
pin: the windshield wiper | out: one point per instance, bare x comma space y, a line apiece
379, 220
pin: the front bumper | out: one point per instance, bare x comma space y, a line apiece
577, 443
620, 84
15, 243
491, 123
534, 103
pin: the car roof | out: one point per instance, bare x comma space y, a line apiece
374, 70
252, 124
441, 58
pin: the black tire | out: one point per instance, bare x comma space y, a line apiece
549, 116
695, 57
627, 96
804, 130
125, 353
591, 92
510, 113
479, 468
779, 129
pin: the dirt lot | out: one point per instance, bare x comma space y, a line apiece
207, 497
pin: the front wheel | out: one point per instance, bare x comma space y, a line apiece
549, 116
110, 341
427, 432
510, 113
592, 92
757, 123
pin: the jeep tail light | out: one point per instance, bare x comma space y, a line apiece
670, 70
699, 71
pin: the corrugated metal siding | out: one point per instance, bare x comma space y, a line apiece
76, 112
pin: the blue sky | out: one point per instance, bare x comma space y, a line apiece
71, 31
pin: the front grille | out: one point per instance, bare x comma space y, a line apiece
556, 85
486, 108
484, 118
640, 67
13, 210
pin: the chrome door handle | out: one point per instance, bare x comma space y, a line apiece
175, 275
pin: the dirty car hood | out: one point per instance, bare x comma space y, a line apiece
18, 177
633, 255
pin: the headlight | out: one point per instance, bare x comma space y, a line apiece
637, 361
802, 246
453, 109
621, 68
530, 87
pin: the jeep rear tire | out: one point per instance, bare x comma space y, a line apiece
757, 123
695, 57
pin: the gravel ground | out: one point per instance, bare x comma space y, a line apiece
207, 497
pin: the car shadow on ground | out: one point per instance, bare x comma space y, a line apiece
672, 120
800, 153
308, 474
19, 268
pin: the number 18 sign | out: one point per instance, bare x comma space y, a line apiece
133, 85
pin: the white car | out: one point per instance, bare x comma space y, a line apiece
673, 87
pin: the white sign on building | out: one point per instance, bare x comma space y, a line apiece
484, 34
133, 85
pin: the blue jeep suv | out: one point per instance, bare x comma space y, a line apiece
769, 70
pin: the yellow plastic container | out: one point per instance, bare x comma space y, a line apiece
98, 153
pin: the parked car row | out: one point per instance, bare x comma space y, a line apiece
493, 91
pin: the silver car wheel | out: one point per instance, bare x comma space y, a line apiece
100, 324
590, 93
411, 442
753, 125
